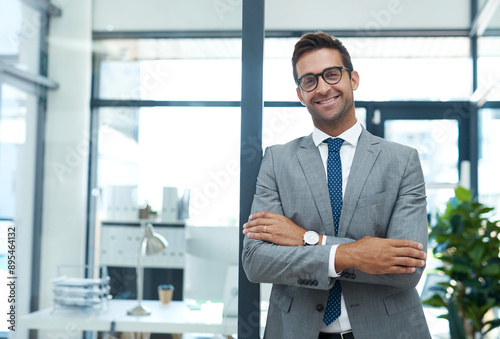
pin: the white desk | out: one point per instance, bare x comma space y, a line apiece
175, 317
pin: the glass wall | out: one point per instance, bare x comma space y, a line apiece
487, 96
12, 138
168, 153
437, 144
159, 147
489, 185
391, 69
488, 70
171, 69
20, 102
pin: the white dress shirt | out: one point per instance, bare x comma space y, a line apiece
347, 150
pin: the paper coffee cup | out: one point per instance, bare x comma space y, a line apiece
165, 293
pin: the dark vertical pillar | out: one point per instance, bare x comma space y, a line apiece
251, 150
92, 168
39, 169
473, 117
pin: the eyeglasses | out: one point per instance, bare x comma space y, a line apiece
331, 75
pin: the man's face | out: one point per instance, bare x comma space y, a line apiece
331, 106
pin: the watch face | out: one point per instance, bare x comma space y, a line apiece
311, 238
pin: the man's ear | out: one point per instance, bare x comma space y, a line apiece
299, 95
354, 80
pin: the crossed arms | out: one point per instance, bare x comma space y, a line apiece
274, 252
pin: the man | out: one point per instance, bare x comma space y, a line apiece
354, 275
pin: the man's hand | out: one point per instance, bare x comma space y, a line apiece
380, 256
274, 228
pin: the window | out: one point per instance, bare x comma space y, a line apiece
171, 69
167, 117
192, 148
391, 69
489, 186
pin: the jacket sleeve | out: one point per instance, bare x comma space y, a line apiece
405, 218
408, 220
265, 262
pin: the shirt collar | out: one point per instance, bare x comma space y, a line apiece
350, 136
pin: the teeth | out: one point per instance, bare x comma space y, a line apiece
327, 101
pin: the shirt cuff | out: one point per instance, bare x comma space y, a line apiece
331, 267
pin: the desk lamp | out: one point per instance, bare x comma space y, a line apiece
151, 243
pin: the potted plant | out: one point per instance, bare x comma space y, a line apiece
467, 243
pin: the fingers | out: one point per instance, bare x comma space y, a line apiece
260, 222
381, 256
274, 228
406, 243
260, 225
258, 235
408, 253
407, 256
259, 229
264, 214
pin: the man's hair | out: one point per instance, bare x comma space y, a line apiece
314, 41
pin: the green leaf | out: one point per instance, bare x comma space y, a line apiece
457, 224
459, 268
491, 270
457, 330
485, 210
463, 194
476, 253
467, 245
435, 301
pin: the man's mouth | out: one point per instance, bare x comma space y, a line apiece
327, 101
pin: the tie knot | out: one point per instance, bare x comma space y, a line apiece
334, 144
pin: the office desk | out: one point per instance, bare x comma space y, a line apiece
175, 317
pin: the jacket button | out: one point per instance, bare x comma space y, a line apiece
315, 283
319, 307
353, 276
347, 274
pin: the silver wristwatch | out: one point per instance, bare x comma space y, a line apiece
311, 238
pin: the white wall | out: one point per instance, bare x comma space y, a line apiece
66, 154
363, 15
167, 15
366, 15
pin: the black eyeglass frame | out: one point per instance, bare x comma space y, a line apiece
323, 76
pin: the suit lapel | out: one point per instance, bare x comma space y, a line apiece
314, 171
366, 153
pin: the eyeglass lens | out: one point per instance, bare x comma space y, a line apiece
330, 75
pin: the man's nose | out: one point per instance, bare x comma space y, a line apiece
323, 86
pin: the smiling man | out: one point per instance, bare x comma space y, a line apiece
338, 222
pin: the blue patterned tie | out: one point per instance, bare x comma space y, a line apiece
334, 170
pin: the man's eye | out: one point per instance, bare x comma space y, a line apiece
332, 74
308, 80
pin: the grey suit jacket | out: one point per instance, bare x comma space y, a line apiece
385, 197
